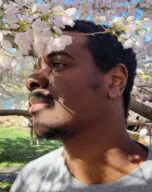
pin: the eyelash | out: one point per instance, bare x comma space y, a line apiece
58, 66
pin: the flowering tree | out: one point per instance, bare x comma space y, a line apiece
29, 28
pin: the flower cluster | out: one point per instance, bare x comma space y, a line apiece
130, 32
26, 26
133, 31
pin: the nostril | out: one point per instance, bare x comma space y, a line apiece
34, 85
37, 82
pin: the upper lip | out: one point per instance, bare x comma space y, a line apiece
40, 96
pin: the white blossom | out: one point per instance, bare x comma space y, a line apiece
24, 2
128, 44
131, 28
130, 18
40, 42
42, 7
139, 71
6, 44
67, 21
100, 19
58, 43
143, 132
58, 9
71, 12
64, 17
36, 16
38, 26
139, 42
1, 3
57, 30
61, 21
118, 21
58, 21
17, 54
24, 41
10, 13
145, 19
11, 7
1, 36
5, 62
41, 35
11, 18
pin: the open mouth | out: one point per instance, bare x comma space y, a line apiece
39, 101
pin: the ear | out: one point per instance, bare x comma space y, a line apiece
117, 81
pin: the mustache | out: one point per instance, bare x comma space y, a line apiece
39, 95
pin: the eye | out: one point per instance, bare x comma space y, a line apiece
58, 66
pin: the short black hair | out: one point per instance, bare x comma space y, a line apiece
107, 52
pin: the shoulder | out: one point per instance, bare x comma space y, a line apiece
33, 174
49, 156
145, 170
44, 161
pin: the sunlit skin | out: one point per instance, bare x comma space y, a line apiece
87, 113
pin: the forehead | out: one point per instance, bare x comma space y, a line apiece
79, 39
79, 44
77, 48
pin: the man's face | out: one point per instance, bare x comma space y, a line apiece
67, 94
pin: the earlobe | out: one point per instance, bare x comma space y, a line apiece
118, 81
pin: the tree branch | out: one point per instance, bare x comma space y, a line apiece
141, 109
135, 106
18, 112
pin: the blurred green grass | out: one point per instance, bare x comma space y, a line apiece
16, 150
5, 186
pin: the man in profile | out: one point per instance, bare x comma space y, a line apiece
81, 96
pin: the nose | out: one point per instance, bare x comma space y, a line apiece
36, 81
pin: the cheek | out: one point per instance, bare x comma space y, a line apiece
69, 85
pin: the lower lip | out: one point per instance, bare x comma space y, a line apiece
37, 107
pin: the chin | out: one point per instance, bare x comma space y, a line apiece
47, 125
61, 132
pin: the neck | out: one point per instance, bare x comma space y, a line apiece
98, 154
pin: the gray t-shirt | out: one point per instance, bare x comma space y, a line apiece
49, 174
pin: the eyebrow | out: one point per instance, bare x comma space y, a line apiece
62, 53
